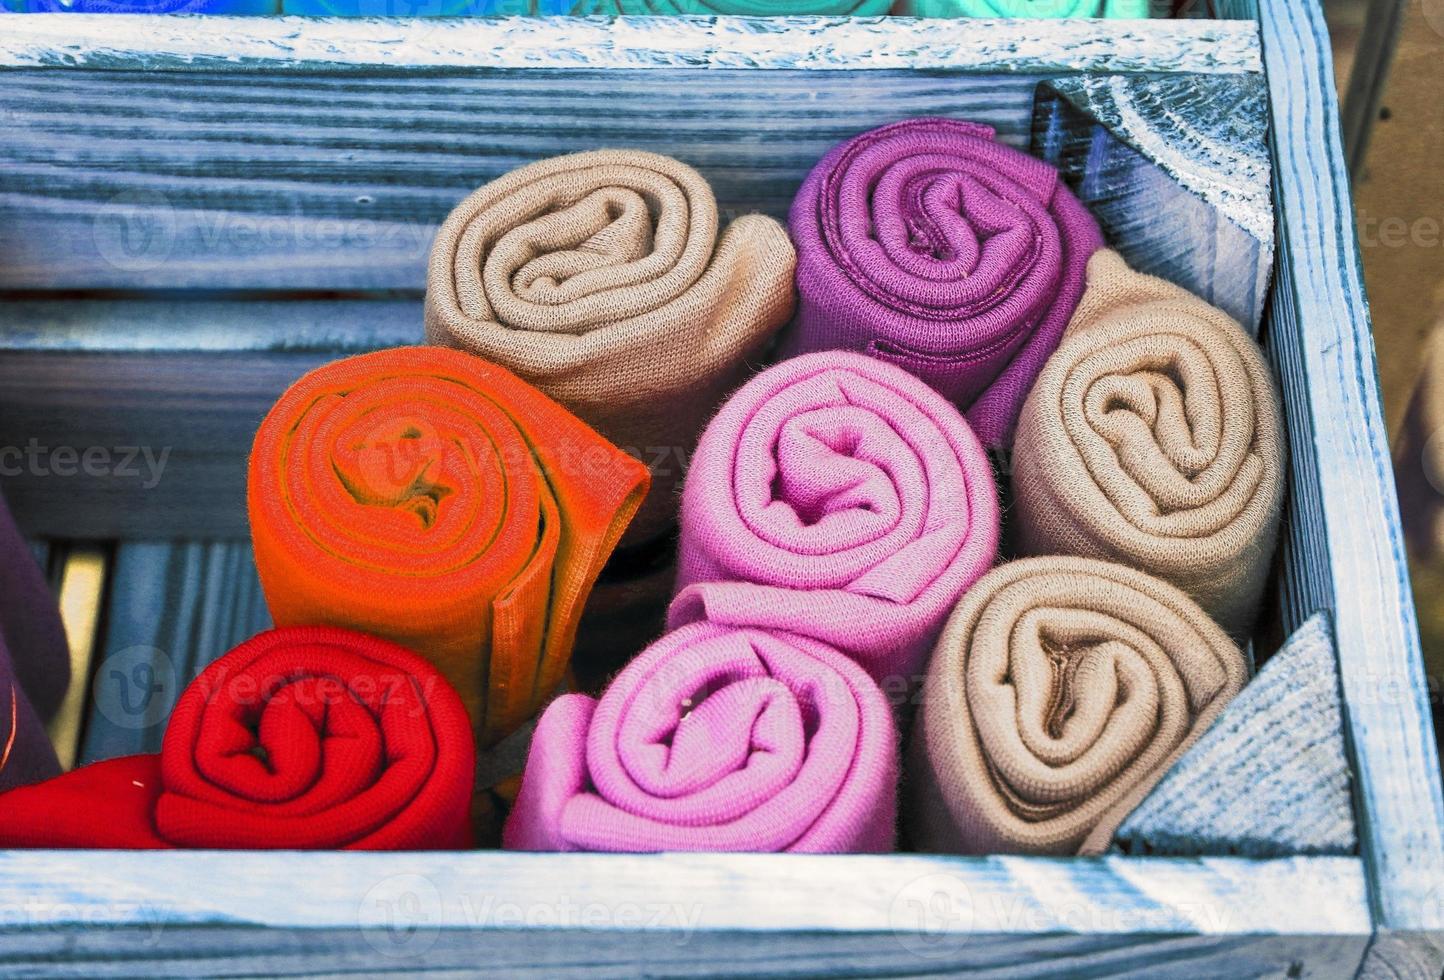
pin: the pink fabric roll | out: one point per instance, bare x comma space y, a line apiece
929, 245
715, 739
841, 498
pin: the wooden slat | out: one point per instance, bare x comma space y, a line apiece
173, 607
702, 915
808, 43
1346, 551
172, 430
222, 180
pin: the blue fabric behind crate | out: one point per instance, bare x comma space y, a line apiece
1270, 778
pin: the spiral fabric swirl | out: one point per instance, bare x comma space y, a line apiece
838, 497
304, 738
1154, 437
1060, 692
928, 245
426, 496
715, 739
601, 278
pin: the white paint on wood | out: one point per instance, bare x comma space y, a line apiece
181, 42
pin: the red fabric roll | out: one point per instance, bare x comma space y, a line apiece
299, 738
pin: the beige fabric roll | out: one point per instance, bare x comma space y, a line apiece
600, 278
1154, 437
1060, 692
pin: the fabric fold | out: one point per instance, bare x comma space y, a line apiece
1060, 692
715, 739
928, 245
428, 497
838, 497
34, 662
303, 738
601, 278
1154, 437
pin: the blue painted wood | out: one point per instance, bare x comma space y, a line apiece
1176, 170
171, 609
704, 915
803, 43
1344, 549
869, 916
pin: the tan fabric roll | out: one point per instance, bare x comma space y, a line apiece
600, 278
1154, 437
1060, 692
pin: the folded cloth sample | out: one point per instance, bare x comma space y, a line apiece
1060, 692
600, 278
928, 245
424, 495
838, 497
303, 738
1154, 437
1270, 778
715, 739
1116, 9
34, 662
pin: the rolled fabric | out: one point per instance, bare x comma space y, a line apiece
1113, 9
34, 662
1154, 437
600, 278
303, 738
715, 739
838, 497
930, 246
426, 496
1060, 692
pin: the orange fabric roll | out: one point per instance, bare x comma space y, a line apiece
432, 498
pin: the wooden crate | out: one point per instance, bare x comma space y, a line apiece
195, 211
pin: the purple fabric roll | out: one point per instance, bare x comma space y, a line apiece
927, 244
715, 739
34, 662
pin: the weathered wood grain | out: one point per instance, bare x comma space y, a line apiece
1344, 544
808, 43
171, 608
1176, 170
223, 180
168, 435
699, 915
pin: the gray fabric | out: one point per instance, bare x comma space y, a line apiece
1270, 778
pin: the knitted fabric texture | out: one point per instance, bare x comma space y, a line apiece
1270, 778
431, 498
715, 739
928, 245
34, 662
1061, 691
306, 738
600, 278
1116, 9
838, 497
1154, 437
